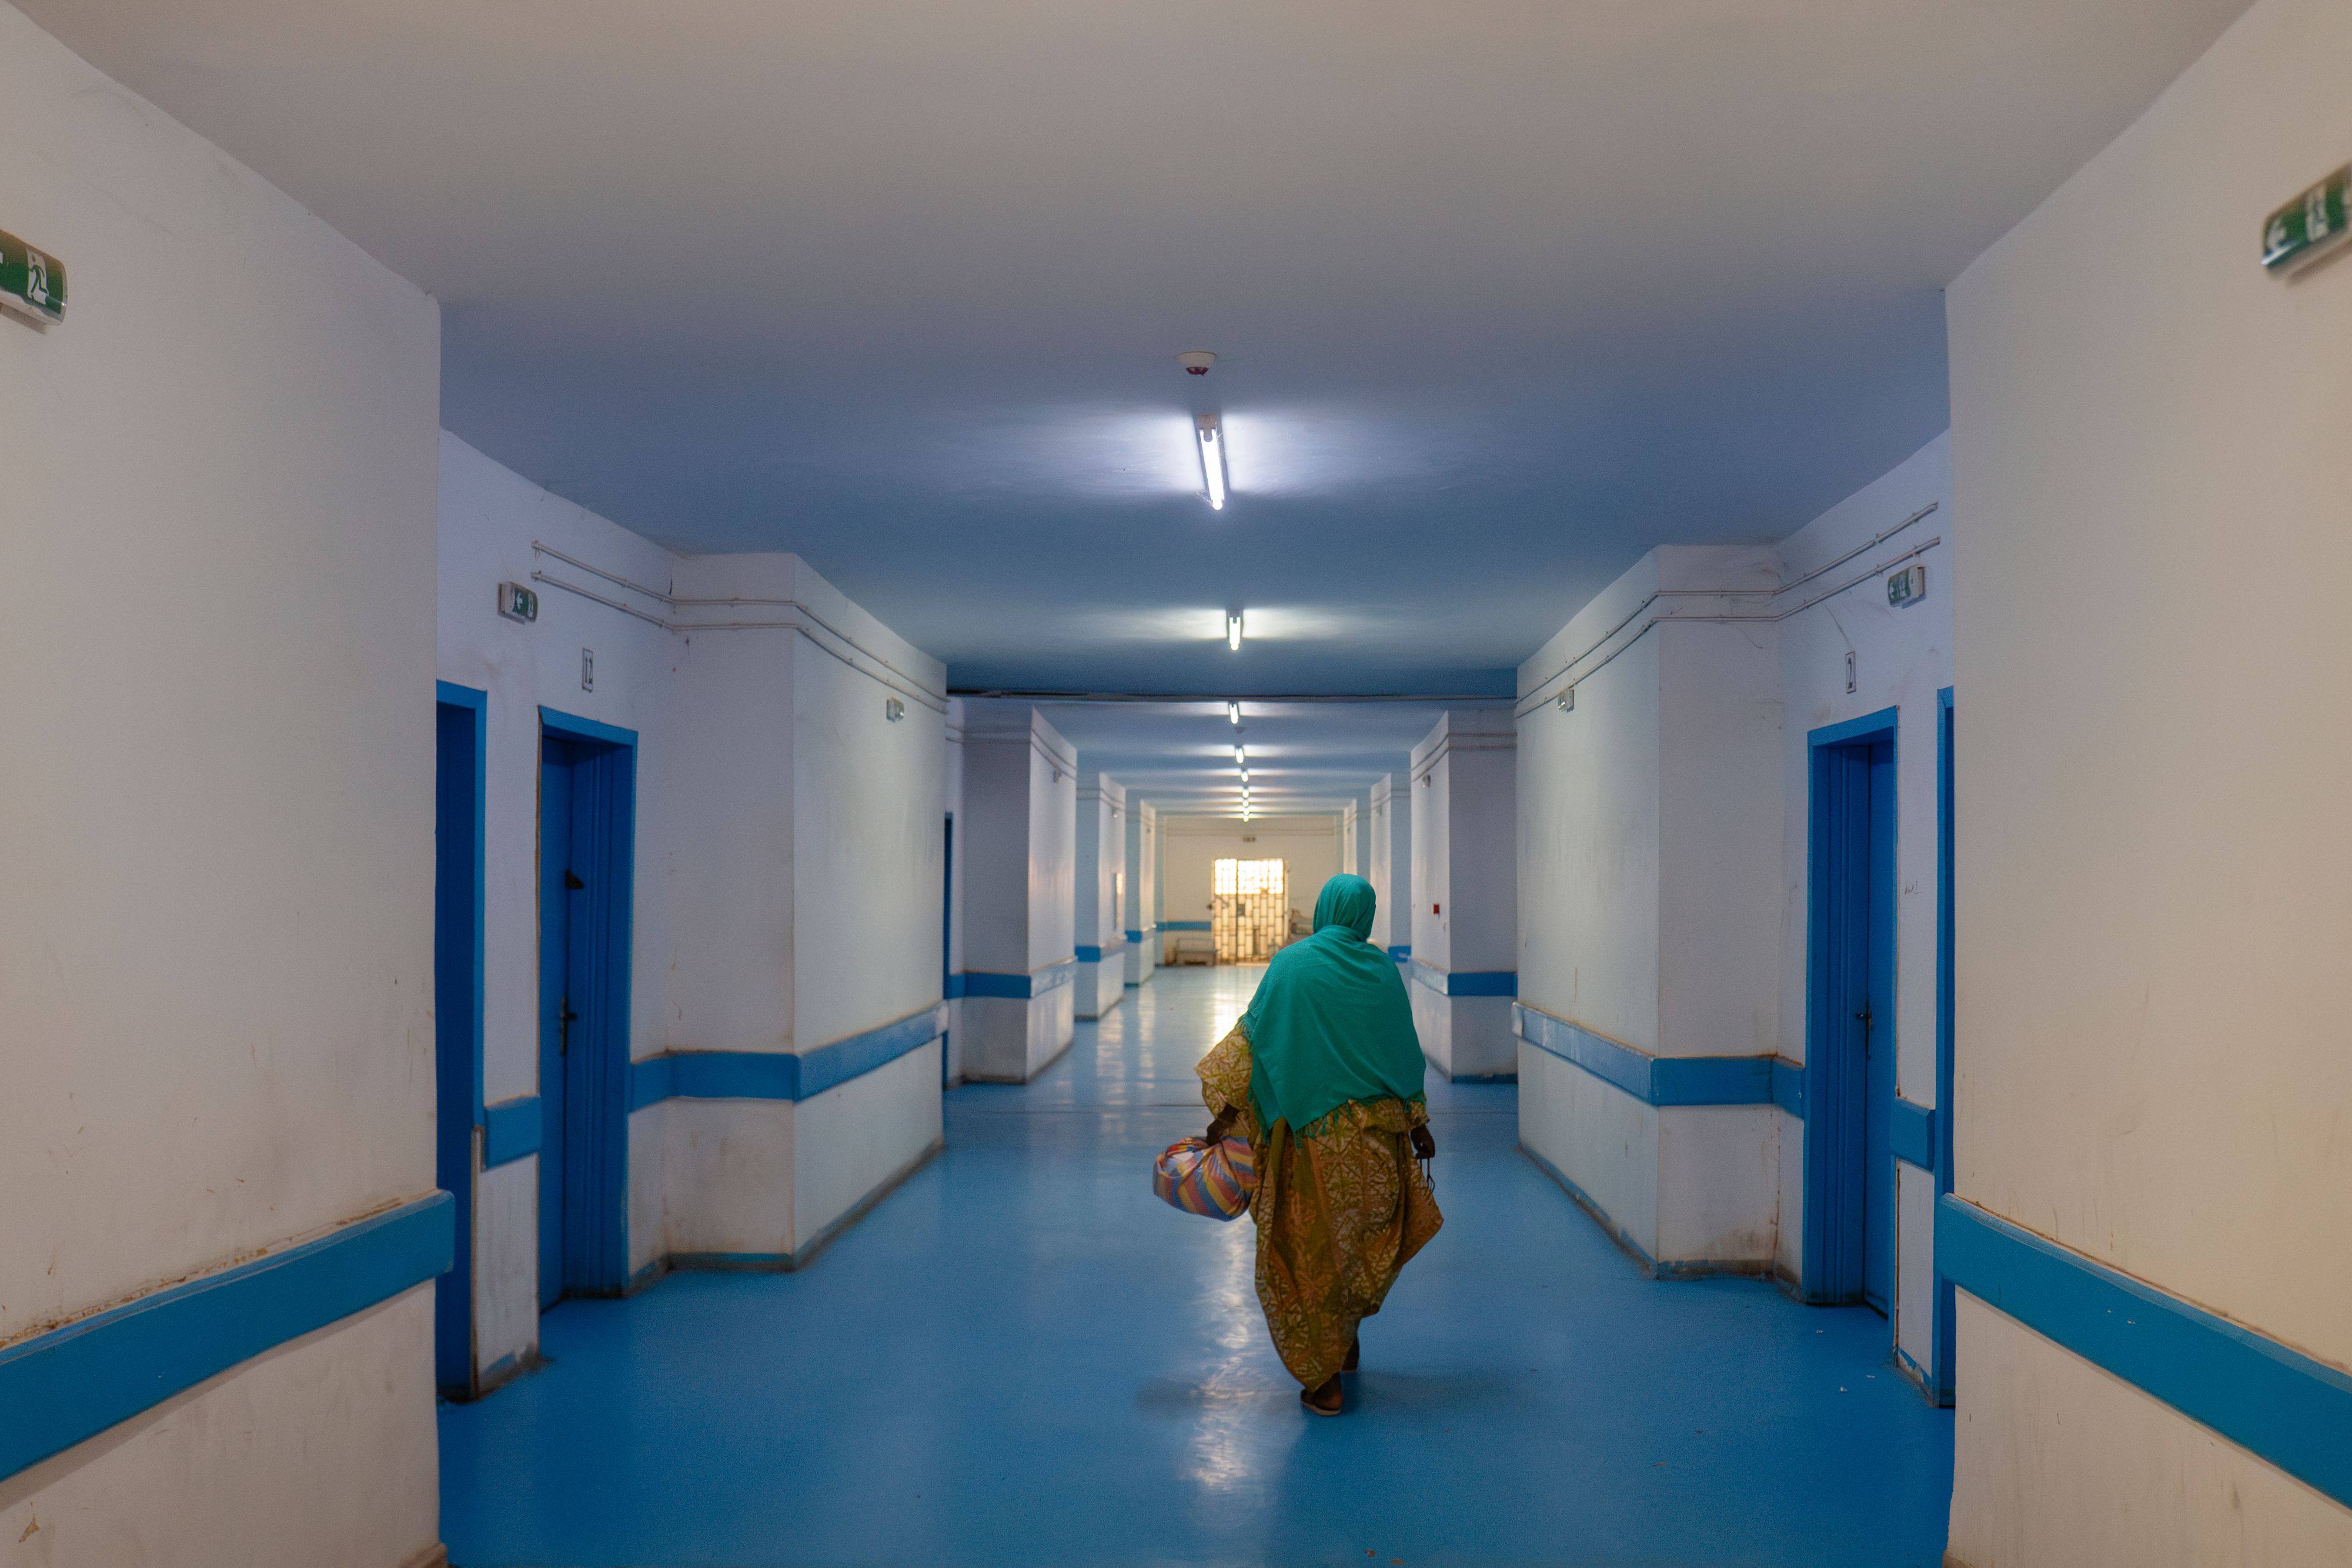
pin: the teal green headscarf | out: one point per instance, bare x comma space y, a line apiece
1331, 1022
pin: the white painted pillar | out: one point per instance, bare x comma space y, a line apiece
1390, 867
1463, 967
1142, 896
1021, 804
803, 929
1653, 913
1101, 890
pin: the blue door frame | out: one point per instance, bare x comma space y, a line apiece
947, 937
1943, 938
460, 727
587, 876
1850, 1042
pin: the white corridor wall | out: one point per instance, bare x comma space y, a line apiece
1462, 972
789, 876
2153, 731
1017, 835
1664, 871
217, 816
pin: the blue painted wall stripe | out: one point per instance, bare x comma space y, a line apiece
1094, 954
510, 1130
1491, 983
1184, 925
1401, 952
1464, 982
1135, 939
1912, 1134
1656, 1080
2274, 1401
1019, 988
980, 983
860, 1054
1789, 1086
776, 1074
651, 1079
66, 1386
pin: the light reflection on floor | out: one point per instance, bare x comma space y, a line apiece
1022, 1358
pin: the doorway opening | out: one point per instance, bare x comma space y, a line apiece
587, 832
1850, 1044
947, 945
1249, 909
458, 888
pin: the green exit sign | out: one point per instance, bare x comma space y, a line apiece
31, 283
2315, 221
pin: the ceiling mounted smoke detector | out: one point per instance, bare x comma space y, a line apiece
1196, 362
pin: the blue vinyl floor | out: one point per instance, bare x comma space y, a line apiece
1021, 1357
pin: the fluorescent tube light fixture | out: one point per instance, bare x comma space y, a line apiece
1210, 436
1234, 712
1234, 633
1241, 754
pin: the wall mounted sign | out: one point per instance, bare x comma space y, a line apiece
32, 283
2314, 221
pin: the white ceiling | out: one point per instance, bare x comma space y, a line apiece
1505, 292
1304, 757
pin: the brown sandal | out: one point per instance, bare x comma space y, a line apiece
1324, 1401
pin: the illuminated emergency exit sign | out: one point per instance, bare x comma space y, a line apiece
32, 283
2314, 221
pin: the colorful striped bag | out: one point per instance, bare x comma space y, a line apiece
1202, 1178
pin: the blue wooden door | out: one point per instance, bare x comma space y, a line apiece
556, 1014
1877, 1036
1850, 1050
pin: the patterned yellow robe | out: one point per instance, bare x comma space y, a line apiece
1341, 1208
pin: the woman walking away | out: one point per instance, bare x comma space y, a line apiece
1322, 1075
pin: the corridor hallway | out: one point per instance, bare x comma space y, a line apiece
1020, 1356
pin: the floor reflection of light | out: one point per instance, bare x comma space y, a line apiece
1238, 984
1234, 1447
1243, 1432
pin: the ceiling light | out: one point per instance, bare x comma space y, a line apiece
1206, 431
1233, 631
1241, 754
1234, 712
